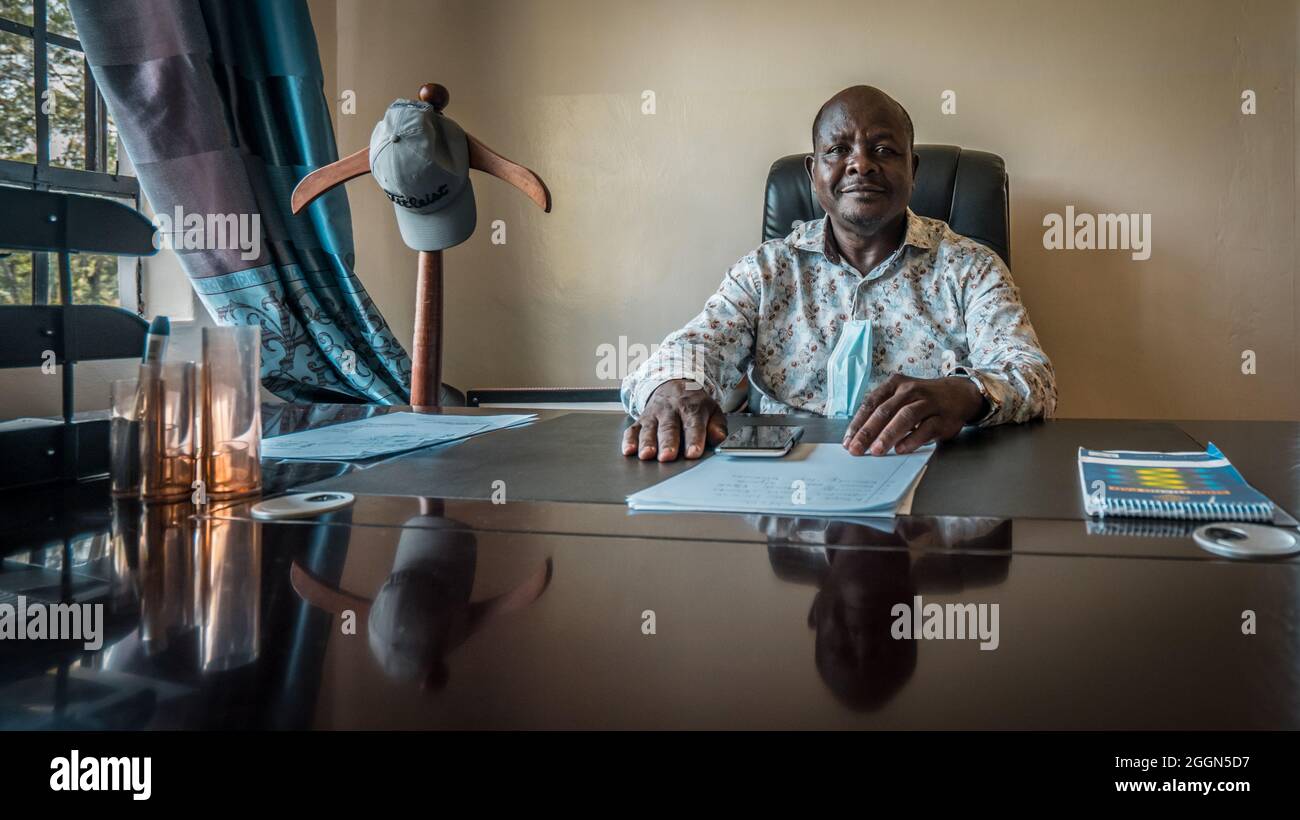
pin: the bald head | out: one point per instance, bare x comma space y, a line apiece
863, 97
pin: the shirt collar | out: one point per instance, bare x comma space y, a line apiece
818, 237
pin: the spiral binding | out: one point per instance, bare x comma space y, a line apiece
1142, 527
1191, 511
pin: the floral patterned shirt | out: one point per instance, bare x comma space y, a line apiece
941, 304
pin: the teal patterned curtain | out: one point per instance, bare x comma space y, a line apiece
220, 106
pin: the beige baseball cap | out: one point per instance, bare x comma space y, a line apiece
420, 158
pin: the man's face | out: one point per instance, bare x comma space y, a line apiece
862, 165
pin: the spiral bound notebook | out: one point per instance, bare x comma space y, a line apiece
1142, 527
1194, 486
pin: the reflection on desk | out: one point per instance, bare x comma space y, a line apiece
457, 627
409, 612
423, 610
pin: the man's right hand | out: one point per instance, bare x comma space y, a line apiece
679, 412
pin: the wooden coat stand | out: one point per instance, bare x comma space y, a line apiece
426, 352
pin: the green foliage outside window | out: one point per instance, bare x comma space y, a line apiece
94, 277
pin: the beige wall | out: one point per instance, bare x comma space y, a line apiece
1108, 106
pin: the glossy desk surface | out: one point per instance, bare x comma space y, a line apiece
414, 611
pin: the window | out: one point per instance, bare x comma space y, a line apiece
56, 135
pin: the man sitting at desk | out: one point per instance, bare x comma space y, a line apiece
925, 290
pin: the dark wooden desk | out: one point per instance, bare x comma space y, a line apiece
1266, 452
1014, 471
759, 621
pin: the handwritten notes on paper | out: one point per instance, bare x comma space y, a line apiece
814, 479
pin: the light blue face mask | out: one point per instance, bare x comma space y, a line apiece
849, 370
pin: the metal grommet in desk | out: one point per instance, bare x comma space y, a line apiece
1233, 540
301, 505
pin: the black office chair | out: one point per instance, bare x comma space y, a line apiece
966, 189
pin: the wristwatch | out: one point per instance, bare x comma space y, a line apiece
967, 373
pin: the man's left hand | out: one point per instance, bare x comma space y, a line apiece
905, 413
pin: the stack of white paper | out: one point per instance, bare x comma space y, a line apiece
812, 480
383, 435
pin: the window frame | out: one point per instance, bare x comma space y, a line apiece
41, 176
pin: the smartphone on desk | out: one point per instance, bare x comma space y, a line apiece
760, 440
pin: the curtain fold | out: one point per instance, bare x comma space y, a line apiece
220, 106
